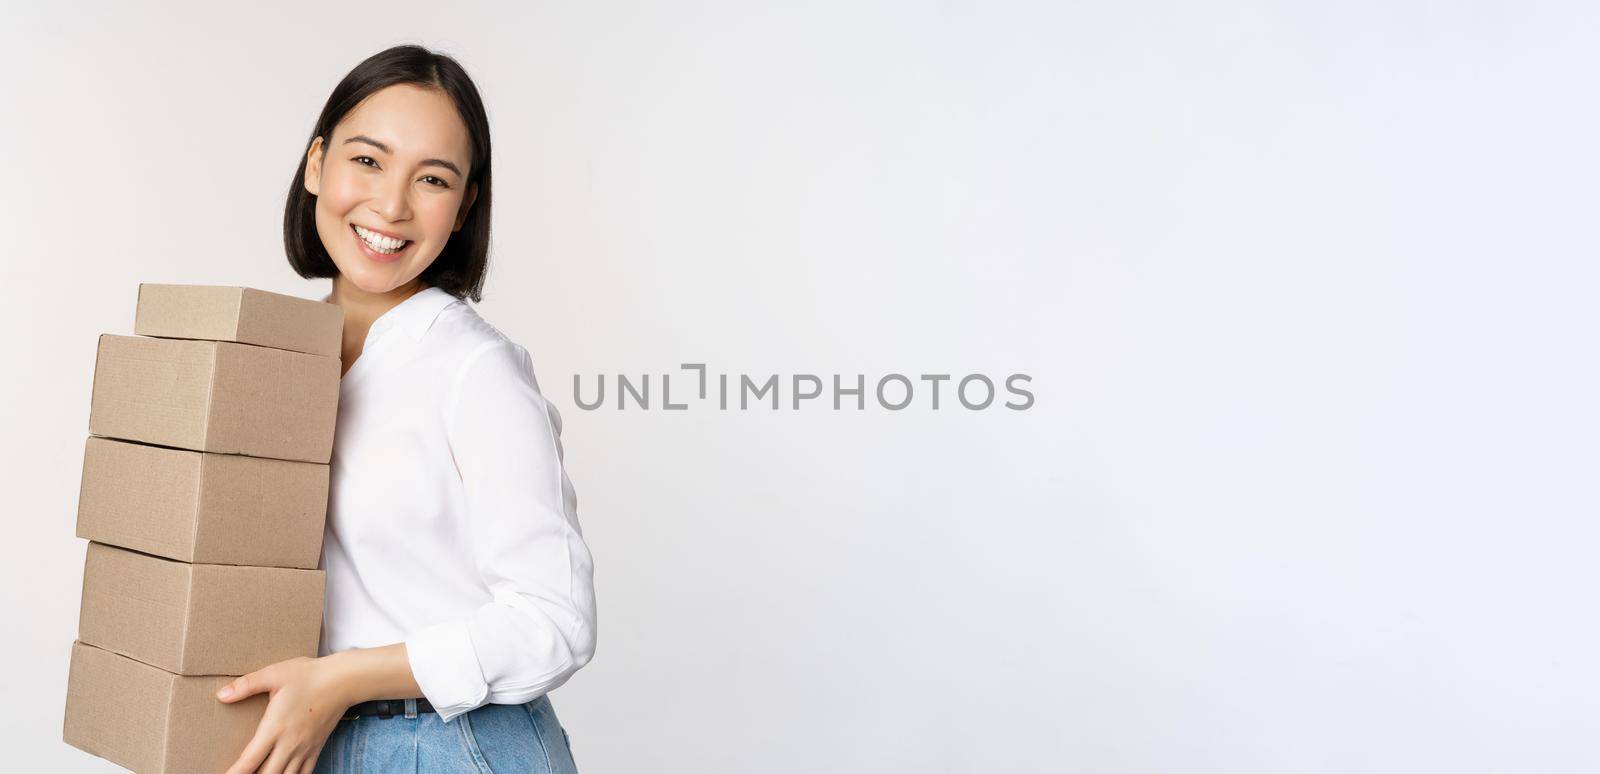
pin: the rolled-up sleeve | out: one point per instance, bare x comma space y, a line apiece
539, 626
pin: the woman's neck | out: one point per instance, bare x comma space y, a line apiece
362, 308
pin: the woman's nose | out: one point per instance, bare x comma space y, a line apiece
392, 201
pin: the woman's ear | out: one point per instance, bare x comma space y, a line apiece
466, 205
313, 182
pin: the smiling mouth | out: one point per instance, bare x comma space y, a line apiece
377, 244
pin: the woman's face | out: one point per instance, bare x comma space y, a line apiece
395, 168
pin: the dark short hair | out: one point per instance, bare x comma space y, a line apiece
460, 267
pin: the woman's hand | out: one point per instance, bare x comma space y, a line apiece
308, 696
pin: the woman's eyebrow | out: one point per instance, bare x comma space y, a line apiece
424, 162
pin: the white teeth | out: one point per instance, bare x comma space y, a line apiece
379, 242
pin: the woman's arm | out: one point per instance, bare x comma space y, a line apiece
523, 540
375, 673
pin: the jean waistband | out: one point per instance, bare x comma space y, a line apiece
388, 708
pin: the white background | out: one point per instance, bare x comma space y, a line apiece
1307, 293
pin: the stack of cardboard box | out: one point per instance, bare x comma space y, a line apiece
205, 487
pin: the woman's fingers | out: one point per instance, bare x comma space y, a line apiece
277, 763
254, 753
311, 760
245, 686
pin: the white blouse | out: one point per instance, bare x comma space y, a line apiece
452, 525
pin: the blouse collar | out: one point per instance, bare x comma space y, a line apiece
413, 315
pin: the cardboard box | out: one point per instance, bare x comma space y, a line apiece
198, 619
216, 396
244, 315
202, 507
148, 720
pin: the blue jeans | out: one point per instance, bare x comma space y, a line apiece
492, 739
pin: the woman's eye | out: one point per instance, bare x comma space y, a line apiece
369, 162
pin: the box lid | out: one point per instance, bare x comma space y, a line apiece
239, 314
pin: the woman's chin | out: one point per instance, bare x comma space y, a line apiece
374, 279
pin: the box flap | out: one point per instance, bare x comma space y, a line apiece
152, 390
204, 734
244, 618
287, 322
273, 403
134, 604
116, 708
259, 511
139, 496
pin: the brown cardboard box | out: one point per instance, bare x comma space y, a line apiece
198, 619
202, 507
244, 315
216, 396
148, 720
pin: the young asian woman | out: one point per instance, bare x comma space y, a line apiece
459, 586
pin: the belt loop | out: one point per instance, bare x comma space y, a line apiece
411, 708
